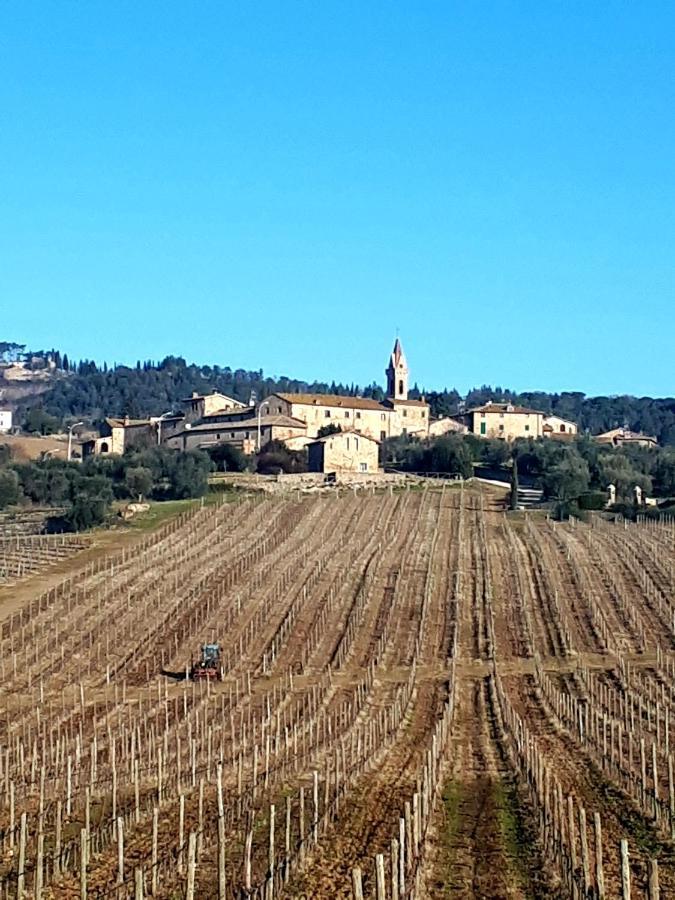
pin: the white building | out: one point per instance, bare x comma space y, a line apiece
555, 426
5, 421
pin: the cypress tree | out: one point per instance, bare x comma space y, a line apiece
513, 499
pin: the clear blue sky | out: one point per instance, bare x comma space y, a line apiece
280, 185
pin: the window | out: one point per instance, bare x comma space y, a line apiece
424, 415
346, 414
327, 414
501, 427
405, 413
562, 427
383, 416
400, 387
527, 428
279, 410
232, 434
363, 467
217, 437
356, 443
483, 427
358, 415
347, 443
248, 435
383, 435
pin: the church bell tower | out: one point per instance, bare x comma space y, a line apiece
397, 374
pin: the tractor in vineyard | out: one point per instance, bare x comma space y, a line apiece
208, 666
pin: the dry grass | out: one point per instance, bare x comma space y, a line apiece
25, 448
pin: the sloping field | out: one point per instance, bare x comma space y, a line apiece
421, 698
25, 448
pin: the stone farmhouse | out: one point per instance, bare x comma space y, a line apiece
240, 430
343, 452
200, 406
505, 421
555, 426
447, 425
619, 437
117, 435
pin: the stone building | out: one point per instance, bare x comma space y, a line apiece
446, 425
619, 437
395, 415
197, 406
118, 435
555, 426
342, 452
505, 421
240, 432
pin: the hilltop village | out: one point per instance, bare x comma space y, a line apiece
338, 431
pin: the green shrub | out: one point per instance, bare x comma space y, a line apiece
593, 500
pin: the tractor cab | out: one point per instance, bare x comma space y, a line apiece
208, 666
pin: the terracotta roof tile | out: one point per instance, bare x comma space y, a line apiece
333, 400
509, 408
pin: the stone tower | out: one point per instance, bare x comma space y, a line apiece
397, 374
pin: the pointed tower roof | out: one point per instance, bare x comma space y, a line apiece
398, 356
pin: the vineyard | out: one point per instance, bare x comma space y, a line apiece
22, 555
421, 697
